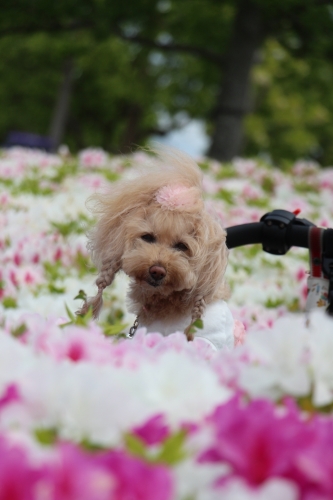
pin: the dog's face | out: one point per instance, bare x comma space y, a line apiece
160, 250
157, 230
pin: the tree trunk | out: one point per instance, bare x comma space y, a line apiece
61, 110
132, 134
233, 98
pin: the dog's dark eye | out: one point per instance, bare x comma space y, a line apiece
181, 246
149, 238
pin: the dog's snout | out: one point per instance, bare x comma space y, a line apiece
157, 272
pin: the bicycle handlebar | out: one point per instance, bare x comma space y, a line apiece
253, 232
278, 231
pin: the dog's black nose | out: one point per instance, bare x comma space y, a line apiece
157, 272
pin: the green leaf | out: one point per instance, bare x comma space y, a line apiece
84, 319
83, 264
78, 319
65, 170
46, 437
32, 186
294, 305
53, 271
197, 324
55, 289
65, 324
135, 445
226, 171
226, 196
274, 303
89, 446
109, 175
71, 316
81, 295
260, 203
172, 451
9, 303
66, 228
19, 330
115, 329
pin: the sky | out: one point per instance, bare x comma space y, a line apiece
191, 139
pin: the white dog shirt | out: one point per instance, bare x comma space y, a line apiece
218, 326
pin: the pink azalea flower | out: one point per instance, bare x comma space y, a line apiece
301, 274
35, 259
326, 178
76, 351
314, 469
92, 181
135, 479
4, 199
10, 395
302, 168
58, 254
324, 222
17, 259
72, 474
154, 431
239, 333
28, 278
77, 475
245, 167
17, 478
210, 185
13, 278
251, 192
93, 157
257, 442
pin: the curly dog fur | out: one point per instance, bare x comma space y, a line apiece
157, 230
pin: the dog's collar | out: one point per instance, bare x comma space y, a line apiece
188, 331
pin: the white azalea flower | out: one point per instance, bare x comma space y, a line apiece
278, 363
14, 360
321, 345
272, 489
177, 395
85, 400
194, 480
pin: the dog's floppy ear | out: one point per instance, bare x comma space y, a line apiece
212, 258
106, 246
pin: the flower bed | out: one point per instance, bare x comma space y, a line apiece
84, 414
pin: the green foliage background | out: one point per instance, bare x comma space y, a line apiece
293, 107
109, 88
125, 91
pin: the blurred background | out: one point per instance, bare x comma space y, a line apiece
234, 77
